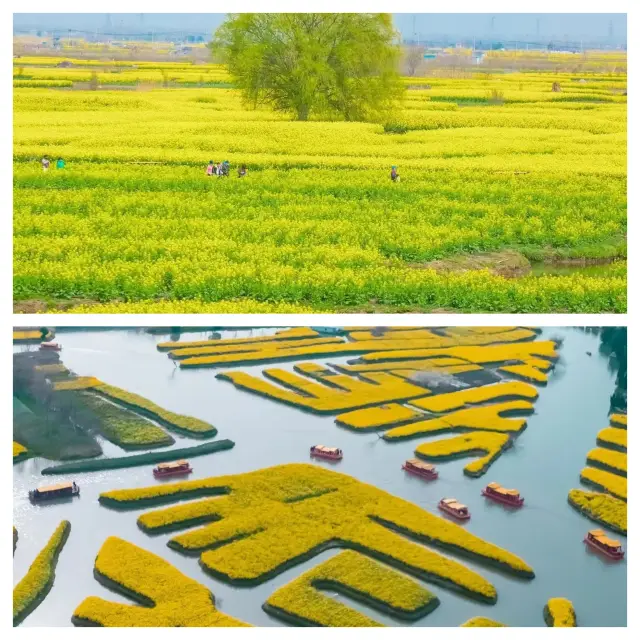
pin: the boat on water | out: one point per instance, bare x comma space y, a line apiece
62, 490
50, 346
328, 453
597, 539
454, 508
494, 491
167, 469
421, 469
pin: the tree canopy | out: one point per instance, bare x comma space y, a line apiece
313, 64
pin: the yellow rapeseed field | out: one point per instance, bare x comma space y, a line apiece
489, 163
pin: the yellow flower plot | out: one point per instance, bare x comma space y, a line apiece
477, 395
443, 365
166, 597
601, 508
486, 354
559, 612
614, 461
19, 452
301, 602
258, 524
527, 371
613, 438
75, 384
289, 335
377, 417
37, 582
618, 420
482, 418
482, 622
27, 336
223, 354
329, 394
605, 481
252, 350
51, 368
607, 472
486, 444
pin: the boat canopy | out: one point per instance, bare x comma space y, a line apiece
601, 537
321, 447
172, 465
457, 505
55, 487
505, 492
419, 464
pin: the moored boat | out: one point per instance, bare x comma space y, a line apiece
62, 490
421, 469
328, 453
50, 346
454, 508
177, 468
597, 539
507, 496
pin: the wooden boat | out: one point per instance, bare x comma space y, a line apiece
454, 508
62, 490
167, 469
507, 496
50, 346
421, 469
328, 453
597, 539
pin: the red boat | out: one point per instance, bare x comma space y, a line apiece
598, 540
507, 496
421, 469
328, 453
50, 346
167, 469
454, 508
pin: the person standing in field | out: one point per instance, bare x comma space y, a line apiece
60, 164
242, 171
45, 163
394, 174
210, 168
225, 168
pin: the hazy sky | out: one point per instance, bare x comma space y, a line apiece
590, 26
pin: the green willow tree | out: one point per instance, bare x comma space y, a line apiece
313, 64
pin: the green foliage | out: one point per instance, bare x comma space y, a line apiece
313, 64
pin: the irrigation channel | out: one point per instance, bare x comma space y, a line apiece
544, 465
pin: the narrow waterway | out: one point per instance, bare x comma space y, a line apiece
544, 465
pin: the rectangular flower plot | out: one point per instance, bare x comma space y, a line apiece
302, 601
482, 418
602, 480
445, 365
613, 461
327, 394
290, 335
503, 391
487, 354
613, 438
227, 355
258, 524
378, 417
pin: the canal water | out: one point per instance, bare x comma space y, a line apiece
544, 465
